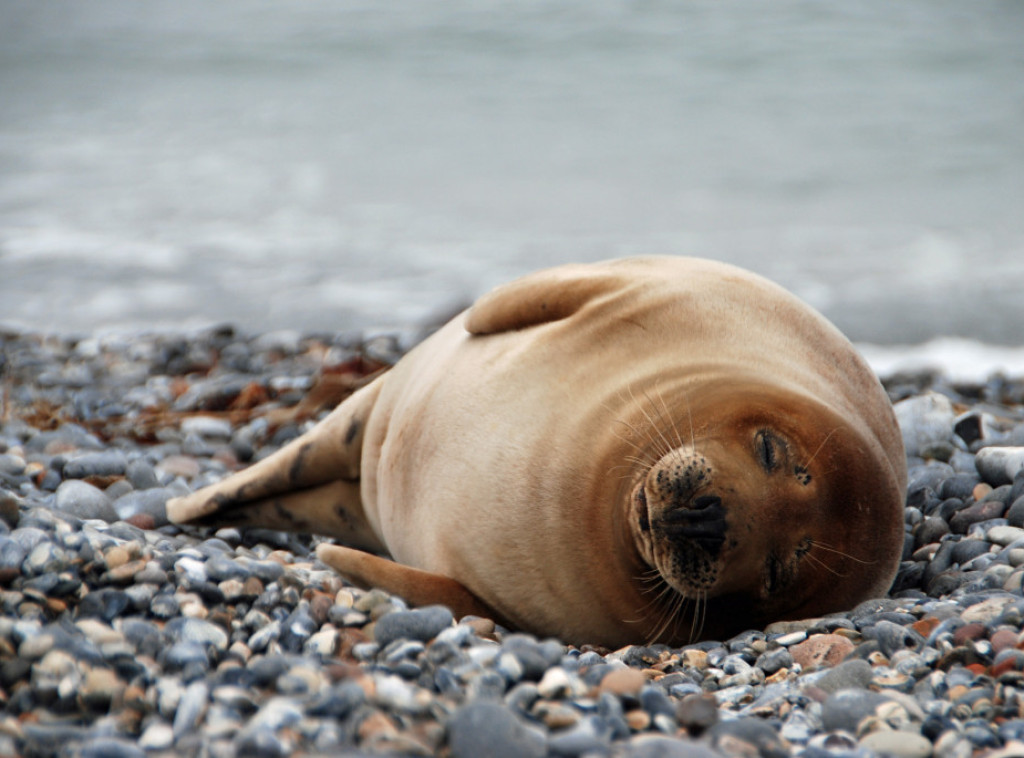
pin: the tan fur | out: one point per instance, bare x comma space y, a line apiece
508, 453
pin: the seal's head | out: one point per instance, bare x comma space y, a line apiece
774, 509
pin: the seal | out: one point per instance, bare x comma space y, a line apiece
652, 449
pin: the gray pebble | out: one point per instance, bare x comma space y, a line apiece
105, 463
11, 465
141, 474
84, 501
658, 746
924, 419
11, 556
589, 736
999, 465
844, 709
419, 624
109, 747
1015, 514
44, 558
208, 427
855, 673
149, 502
489, 729
198, 631
190, 708
893, 638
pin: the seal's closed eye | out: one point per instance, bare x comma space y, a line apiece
769, 449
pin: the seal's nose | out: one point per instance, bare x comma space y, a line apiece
701, 520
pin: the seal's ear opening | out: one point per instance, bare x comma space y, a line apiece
540, 298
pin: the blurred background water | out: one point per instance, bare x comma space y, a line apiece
353, 165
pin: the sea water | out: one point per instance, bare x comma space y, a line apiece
368, 165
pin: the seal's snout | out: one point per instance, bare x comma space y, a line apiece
700, 521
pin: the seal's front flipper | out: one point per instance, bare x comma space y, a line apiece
310, 485
415, 586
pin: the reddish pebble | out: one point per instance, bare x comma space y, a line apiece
142, 521
1004, 638
925, 626
967, 632
821, 650
623, 682
1010, 664
981, 489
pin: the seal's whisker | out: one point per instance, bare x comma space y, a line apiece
646, 457
668, 447
830, 549
680, 443
670, 615
818, 562
700, 611
822, 445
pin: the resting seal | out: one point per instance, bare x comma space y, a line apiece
654, 449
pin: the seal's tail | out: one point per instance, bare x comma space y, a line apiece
311, 485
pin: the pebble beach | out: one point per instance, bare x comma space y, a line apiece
124, 635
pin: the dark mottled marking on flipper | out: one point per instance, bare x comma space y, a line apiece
286, 516
295, 472
353, 430
343, 516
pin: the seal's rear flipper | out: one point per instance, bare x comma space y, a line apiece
415, 586
310, 485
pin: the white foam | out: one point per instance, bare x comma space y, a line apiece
956, 358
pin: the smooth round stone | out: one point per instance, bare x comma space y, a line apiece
419, 624
183, 654
45, 558
84, 501
105, 463
752, 731
847, 708
893, 638
157, 736
207, 427
493, 730
261, 743
999, 465
194, 570
1004, 535
99, 689
198, 631
221, 567
35, 646
141, 474
535, 657
164, 606
11, 556
265, 571
190, 708
263, 637
337, 702
149, 503
924, 419
109, 747
772, 661
1015, 513
659, 746
277, 713
899, 744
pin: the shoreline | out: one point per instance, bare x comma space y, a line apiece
122, 635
